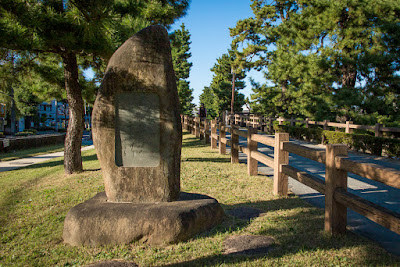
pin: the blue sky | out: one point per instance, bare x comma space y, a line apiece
208, 22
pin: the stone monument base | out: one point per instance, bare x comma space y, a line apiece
97, 222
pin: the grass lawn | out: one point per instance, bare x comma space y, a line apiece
35, 200
18, 154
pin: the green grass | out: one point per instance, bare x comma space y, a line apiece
35, 200
18, 154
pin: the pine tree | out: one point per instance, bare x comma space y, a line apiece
207, 97
263, 41
180, 46
89, 30
219, 93
331, 59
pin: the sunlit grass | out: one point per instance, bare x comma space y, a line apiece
35, 200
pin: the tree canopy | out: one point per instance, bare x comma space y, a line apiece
82, 33
323, 59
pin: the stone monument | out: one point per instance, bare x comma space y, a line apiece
137, 134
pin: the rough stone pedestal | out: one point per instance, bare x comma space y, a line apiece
97, 222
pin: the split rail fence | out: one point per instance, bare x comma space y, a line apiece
337, 166
258, 121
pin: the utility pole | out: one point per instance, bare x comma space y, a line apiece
233, 89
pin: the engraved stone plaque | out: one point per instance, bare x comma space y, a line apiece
137, 129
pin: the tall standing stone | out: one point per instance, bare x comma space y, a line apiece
136, 121
137, 135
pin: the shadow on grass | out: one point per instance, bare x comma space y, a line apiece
60, 162
194, 142
208, 159
92, 170
16, 195
298, 232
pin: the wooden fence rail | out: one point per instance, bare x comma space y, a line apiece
337, 166
265, 123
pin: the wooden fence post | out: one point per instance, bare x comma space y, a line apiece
326, 124
197, 127
292, 121
234, 141
252, 164
335, 213
214, 135
262, 123
222, 135
201, 128
347, 129
270, 125
206, 131
193, 125
378, 133
306, 122
280, 157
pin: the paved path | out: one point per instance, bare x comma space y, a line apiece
376, 192
19, 163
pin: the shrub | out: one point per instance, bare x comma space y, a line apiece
309, 134
392, 148
27, 132
359, 142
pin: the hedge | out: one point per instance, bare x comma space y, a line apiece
359, 142
27, 132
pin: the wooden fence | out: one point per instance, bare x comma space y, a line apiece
337, 166
26, 142
258, 121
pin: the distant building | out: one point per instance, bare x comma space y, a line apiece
52, 114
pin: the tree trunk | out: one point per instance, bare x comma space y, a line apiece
13, 119
73, 140
349, 75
